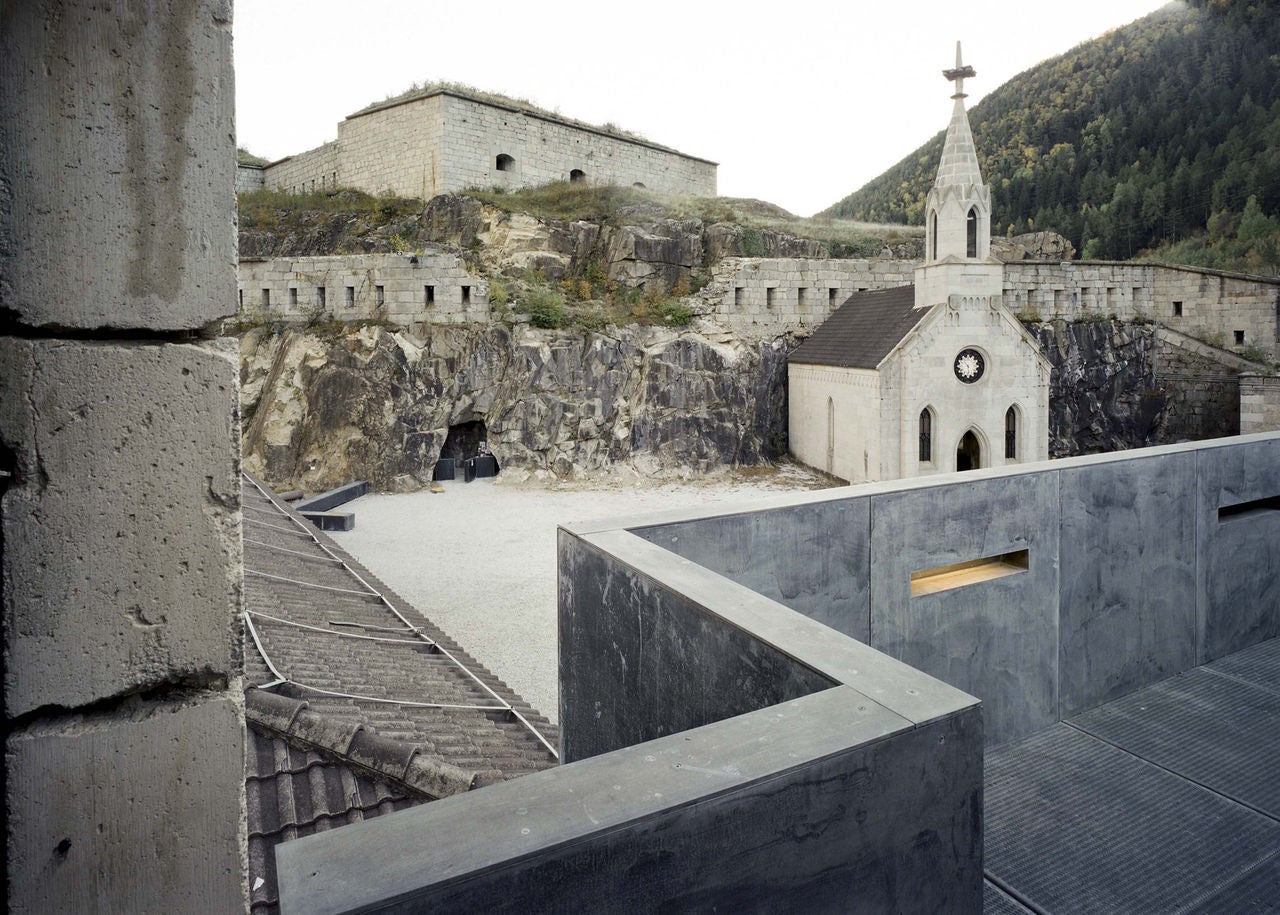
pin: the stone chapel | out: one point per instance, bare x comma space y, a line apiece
933, 377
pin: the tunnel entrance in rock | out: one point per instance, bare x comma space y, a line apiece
466, 454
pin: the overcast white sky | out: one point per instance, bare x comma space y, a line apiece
800, 101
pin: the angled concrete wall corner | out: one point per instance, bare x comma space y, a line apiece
727, 752
119, 459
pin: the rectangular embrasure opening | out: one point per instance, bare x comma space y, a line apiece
959, 574
1248, 509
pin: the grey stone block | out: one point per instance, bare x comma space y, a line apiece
114, 148
137, 813
121, 528
1127, 570
1239, 566
998, 639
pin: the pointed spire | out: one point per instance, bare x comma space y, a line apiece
959, 163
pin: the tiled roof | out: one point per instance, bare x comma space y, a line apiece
356, 704
863, 330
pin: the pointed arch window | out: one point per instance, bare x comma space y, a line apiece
1011, 434
926, 435
933, 235
971, 233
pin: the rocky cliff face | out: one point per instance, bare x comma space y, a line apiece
372, 404
1116, 386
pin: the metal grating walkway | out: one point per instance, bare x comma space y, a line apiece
1167, 800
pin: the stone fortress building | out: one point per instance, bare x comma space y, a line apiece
442, 140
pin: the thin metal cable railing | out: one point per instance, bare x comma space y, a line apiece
299, 528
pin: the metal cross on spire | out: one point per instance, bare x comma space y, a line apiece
958, 75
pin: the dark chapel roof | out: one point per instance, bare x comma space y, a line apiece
862, 331
356, 705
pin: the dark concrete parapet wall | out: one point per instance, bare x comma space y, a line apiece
816, 774
1133, 573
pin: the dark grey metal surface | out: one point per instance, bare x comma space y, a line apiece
333, 498
1259, 665
997, 902
1253, 894
1216, 731
1076, 825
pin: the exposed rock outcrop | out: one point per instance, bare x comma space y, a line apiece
377, 405
1036, 246
1116, 386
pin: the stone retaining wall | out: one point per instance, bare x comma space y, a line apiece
1259, 403
437, 289
318, 169
1232, 311
796, 290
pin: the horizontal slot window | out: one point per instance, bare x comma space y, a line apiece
1248, 509
959, 574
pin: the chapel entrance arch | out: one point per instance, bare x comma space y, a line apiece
969, 452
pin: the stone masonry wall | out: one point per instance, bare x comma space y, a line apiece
1231, 311
438, 289
249, 178
1259, 403
120, 544
798, 291
447, 142
1203, 399
315, 170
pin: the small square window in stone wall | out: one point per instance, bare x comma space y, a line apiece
1177, 309
293, 296
379, 296
1239, 338
800, 298
737, 296
466, 295
831, 297
429, 295
320, 296
351, 297
769, 296
266, 298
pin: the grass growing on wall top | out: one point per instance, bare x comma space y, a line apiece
268, 209
568, 202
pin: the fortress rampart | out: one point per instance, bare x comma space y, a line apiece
431, 288
445, 141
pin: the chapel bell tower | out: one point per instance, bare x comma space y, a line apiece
957, 257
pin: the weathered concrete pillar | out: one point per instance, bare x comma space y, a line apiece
119, 459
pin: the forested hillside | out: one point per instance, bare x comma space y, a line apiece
1163, 133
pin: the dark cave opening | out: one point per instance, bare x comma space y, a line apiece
465, 453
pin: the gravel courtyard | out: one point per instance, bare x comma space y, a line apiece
479, 559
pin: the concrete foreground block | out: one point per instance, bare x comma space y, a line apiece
138, 812
122, 547
115, 122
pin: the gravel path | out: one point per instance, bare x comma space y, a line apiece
479, 559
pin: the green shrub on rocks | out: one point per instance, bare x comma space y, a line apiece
546, 307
